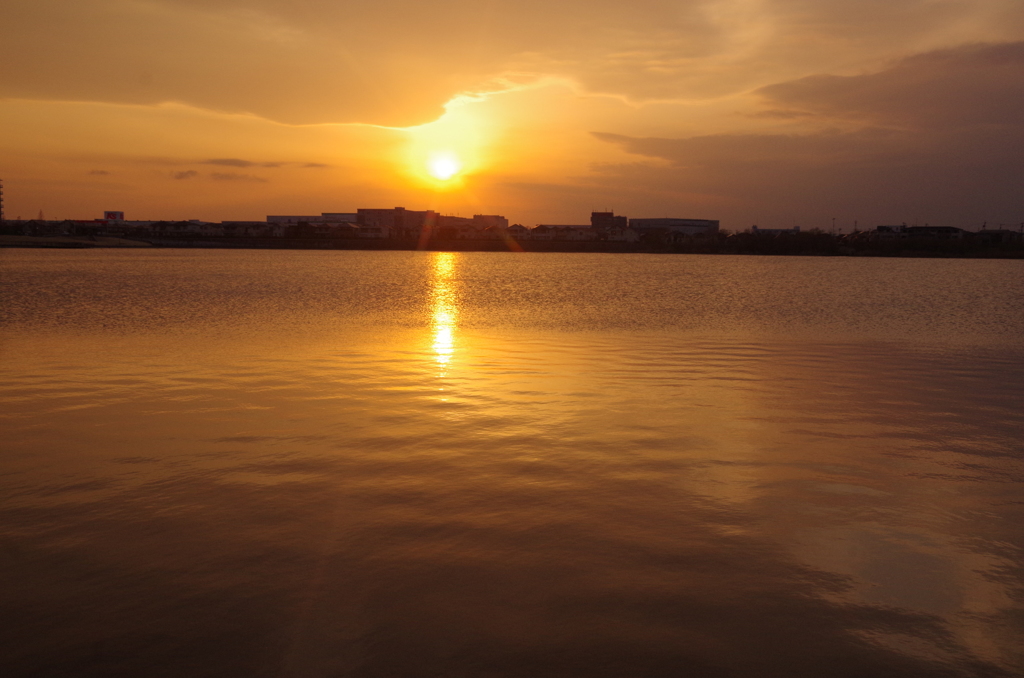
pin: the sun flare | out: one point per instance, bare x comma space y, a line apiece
443, 166
443, 155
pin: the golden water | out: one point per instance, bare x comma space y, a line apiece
380, 464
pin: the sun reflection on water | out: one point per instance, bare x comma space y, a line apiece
444, 308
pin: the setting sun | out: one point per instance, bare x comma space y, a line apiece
443, 166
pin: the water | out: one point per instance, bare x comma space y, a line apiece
377, 464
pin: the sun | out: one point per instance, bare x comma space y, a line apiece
443, 165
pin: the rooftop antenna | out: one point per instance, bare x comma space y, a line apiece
1, 202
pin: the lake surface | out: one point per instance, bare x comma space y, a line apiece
381, 464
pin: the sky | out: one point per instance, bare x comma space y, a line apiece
767, 112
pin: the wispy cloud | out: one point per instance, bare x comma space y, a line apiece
238, 162
100, 173
779, 114
229, 162
187, 174
234, 176
241, 163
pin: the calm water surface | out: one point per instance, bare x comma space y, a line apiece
325, 464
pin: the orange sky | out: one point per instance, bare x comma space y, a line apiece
772, 112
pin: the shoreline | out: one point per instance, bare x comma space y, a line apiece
752, 246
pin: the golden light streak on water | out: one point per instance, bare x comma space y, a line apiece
444, 308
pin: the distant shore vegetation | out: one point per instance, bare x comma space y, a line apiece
883, 241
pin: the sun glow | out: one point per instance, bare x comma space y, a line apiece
443, 166
444, 154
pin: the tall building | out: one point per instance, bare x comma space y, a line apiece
606, 220
399, 221
444, 221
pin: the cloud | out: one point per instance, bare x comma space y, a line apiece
780, 114
936, 137
316, 165
233, 176
237, 162
871, 175
187, 174
230, 162
969, 85
99, 172
304, 63
745, 103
